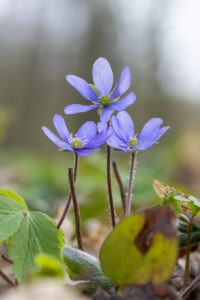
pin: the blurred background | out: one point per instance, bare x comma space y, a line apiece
42, 41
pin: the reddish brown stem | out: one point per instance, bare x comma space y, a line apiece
76, 209
110, 195
121, 186
109, 183
70, 194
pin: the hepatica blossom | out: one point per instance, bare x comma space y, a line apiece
82, 142
124, 137
101, 94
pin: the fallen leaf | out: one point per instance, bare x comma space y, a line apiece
142, 248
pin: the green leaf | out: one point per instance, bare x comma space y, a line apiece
171, 200
193, 203
82, 266
11, 195
137, 250
36, 234
11, 214
48, 266
182, 203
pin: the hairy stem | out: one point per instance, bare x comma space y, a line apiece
120, 184
70, 194
130, 185
76, 209
187, 259
110, 195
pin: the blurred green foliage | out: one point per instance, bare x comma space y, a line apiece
42, 179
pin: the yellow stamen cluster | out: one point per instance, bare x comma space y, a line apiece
133, 142
76, 143
104, 100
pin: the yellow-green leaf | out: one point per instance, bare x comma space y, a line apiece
48, 266
142, 248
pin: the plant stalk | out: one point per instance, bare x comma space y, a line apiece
76, 209
189, 288
130, 185
121, 186
109, 183
187, 259
70, 194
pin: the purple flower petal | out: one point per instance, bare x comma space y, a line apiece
143, 146
161, 132
150, 130
123, 103
102, 76
106, 113
85, 153
101, 126
87, 130
82, 87
147, 143
117, 129
97, 141
114, 142
61, 127
123, 126
123, 84
56, 140
78, 108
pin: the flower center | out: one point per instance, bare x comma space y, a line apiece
76, 143
104, 100
133, 142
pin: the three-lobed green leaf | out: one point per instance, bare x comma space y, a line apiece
11, 213
36, 234
29, 233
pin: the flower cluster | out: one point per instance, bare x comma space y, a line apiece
122, 135
117, 130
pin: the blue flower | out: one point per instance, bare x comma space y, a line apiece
82, 142
100, 93
124, 137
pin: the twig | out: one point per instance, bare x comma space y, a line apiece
120, 184
6, 278
76, 209
6, 259
190, 287
70, 194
